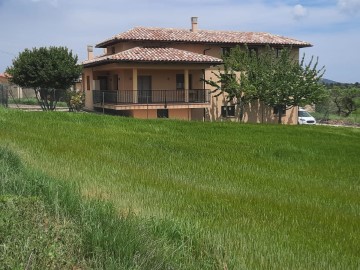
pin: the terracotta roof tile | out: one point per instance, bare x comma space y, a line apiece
154, 54
201, 36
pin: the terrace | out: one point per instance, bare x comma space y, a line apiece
132, 99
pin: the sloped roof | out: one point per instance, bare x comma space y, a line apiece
154, 54
201, 36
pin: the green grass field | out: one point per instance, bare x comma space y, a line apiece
205, 195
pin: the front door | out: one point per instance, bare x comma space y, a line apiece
144, 89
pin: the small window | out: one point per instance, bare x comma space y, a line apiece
113, 50
162, 113
228, 111
253, 50
225, 51
88, 82
278, 52
282, 108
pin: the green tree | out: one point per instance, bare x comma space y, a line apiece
49, 71
273, 77
346, 100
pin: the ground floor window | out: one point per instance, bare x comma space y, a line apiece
227, 111
282, 108
162, 113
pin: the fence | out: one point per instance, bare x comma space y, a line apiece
4, 98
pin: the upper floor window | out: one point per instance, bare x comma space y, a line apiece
180, 81
113, 50
225, 51
253, 50
87, 82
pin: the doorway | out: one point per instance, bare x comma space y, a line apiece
144, 89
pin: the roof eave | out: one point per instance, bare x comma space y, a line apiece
106, 62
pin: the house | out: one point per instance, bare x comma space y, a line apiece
15, 91
158, 72
3, 79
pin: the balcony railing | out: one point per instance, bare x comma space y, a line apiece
151, 96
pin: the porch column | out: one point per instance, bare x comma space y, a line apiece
186, 82
135, 85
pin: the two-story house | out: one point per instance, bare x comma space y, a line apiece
159, 72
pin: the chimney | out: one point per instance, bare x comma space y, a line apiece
194, 24
90, 51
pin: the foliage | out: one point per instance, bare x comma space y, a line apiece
342, 99
291, 203
31, 238
346, 100
49, 71
272, 76
75, 100
59, 229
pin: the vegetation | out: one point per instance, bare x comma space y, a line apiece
185, 195
32, 238
32, 101
341, 106
75, 100
49, 71
273, 76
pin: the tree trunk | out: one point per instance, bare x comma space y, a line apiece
280, 109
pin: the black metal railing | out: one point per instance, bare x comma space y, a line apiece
151, 96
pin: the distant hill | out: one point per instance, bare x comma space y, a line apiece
327, 81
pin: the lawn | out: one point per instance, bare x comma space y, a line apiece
239, 195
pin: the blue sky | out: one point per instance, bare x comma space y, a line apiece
332, 26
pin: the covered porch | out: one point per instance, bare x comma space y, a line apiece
154, 78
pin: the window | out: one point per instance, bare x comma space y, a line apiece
227, 111
282, 108
88, 82
113, 50
225, 51
253, 50
180, 81
162, 113
180, 84
278, 52
116, 82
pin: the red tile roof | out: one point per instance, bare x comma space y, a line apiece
4, 75
154, 54
201, 36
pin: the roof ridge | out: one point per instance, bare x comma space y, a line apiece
161, 34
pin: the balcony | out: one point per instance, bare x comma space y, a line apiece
146, 97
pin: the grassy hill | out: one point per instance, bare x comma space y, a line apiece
196, 195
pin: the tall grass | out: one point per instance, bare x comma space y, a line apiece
237, 196
99, 238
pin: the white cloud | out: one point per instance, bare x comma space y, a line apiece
299, 12
349, 6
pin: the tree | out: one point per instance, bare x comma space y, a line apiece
49, 71
346, 100
272, 76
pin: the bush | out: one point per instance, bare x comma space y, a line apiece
75, 100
